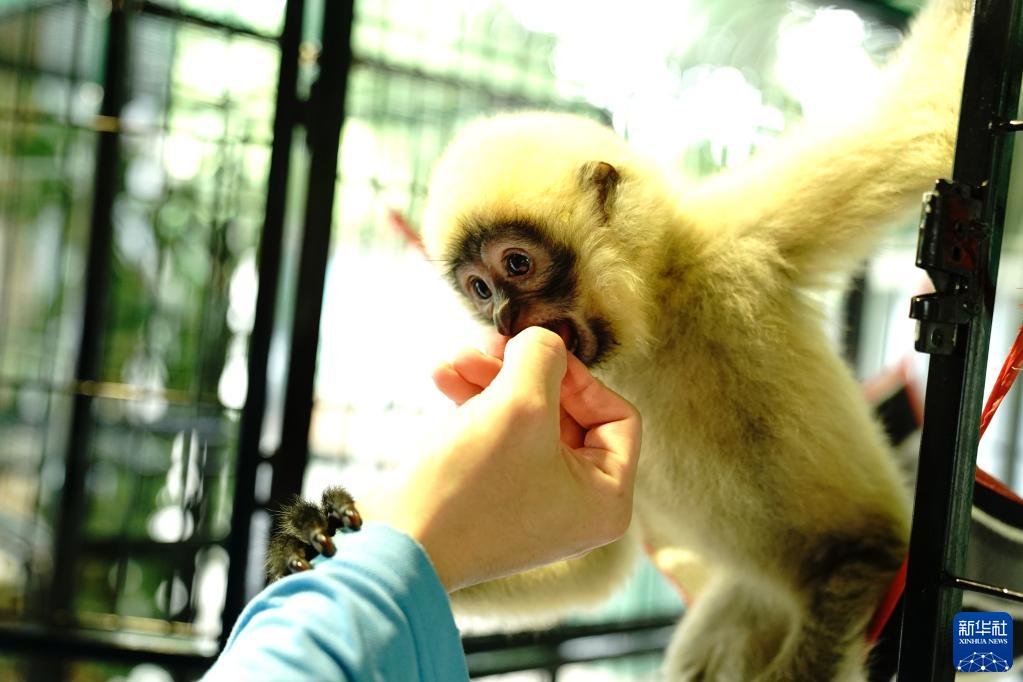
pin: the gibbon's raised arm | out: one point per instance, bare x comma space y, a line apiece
825, 194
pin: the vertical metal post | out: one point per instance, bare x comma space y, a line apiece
285, 118
70, 521
324, 116
955, 383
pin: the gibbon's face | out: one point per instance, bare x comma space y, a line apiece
515, 278
524, 212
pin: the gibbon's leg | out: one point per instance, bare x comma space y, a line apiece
731, 633
838, 589
306, 529
810, 625
550, 590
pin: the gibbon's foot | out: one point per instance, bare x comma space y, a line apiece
306, 530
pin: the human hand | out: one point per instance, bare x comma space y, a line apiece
537, 465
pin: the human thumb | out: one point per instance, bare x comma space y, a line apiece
535, 360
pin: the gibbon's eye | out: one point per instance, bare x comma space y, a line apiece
480, 288
517, 264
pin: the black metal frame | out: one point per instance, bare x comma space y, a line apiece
324, 118
251, 430
323, 115
68, 538
944, 492
485, 654
58, 640
546, 650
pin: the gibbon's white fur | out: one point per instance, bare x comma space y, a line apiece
759, 452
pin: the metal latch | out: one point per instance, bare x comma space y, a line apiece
952, 247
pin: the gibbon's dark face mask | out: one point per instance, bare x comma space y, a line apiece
515, 278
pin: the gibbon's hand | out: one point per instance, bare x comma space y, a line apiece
537, 465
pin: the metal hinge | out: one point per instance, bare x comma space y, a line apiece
952, 248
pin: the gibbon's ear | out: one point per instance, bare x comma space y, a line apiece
601, 176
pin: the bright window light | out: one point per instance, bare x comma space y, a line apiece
823, 64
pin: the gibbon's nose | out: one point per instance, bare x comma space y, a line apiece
504, 318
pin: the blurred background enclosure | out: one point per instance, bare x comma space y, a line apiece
211, 295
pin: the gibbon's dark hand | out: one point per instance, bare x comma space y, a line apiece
537, 465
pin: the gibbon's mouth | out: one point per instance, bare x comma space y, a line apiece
580, 342
566, 329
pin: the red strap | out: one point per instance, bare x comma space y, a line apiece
888, 604
1010, 370
1007, 375
994, 485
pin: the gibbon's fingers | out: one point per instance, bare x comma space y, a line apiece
611, 424
452, 385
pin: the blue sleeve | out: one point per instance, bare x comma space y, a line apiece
375, 611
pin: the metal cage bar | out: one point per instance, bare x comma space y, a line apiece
68, 538
249, 455
324, 117
67, 635
948, 449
